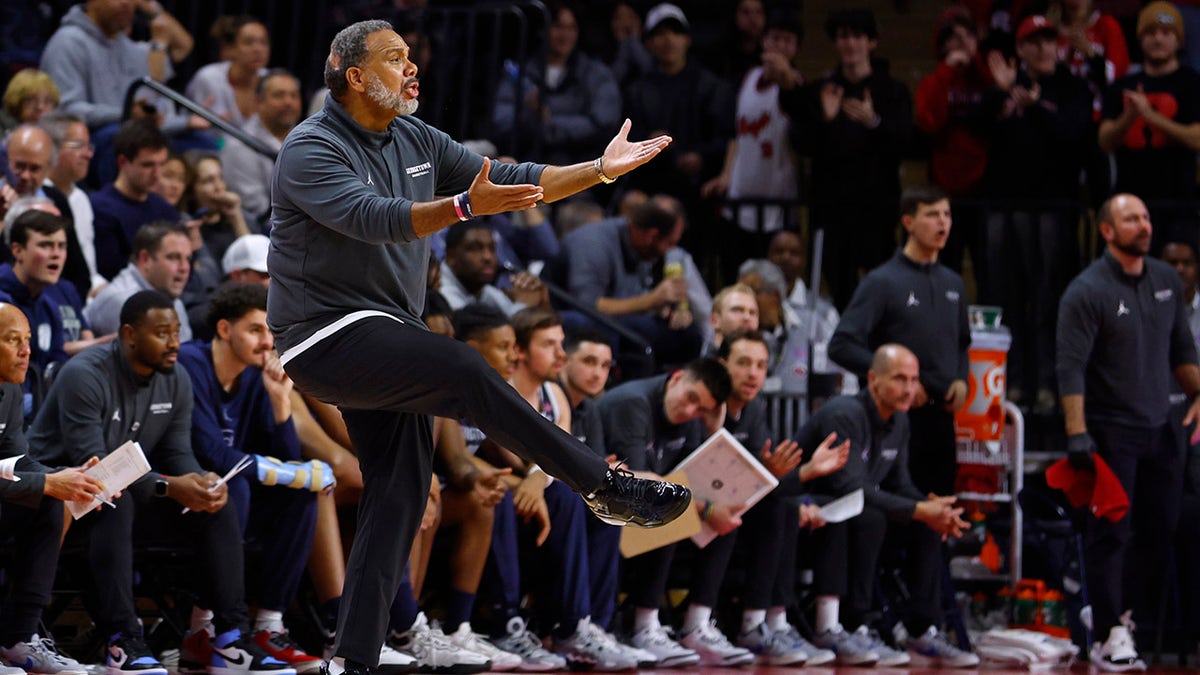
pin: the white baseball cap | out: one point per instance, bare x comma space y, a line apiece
665, 12
247, 252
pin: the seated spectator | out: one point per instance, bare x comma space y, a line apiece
769, 530
130, 202
618, 266
160, 262
243, 411
173, 180
30, 154
245, 261
733, 308
131, 390
654, 423
561, 112
74, 150
93, 62
33, 513
38, 241
29, 95
209, 200
787, 327
278, 95
229, 87
469, 270
847, 554
569, 561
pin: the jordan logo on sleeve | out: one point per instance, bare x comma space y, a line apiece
912, 299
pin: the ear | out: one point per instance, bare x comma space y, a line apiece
906, 222
1106, 231
223, 329
16, 249
357, 79
126, 332
870, 378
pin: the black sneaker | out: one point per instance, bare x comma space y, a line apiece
624, 499
129, 655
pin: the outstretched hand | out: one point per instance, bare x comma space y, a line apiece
488, 198
622, 155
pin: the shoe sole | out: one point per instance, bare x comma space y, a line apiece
920, 660
153, 670
730, 662
796, 661
394, 668
678, 661
226, 670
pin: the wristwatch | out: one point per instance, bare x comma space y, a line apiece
160, 487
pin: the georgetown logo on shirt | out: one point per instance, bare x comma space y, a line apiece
418, 170
1163, 295
160, 408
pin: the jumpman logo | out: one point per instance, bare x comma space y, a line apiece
912, 299
1122, 310
369, 181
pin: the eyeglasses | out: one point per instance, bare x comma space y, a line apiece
79, 145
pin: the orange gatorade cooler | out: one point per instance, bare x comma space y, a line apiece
982, 418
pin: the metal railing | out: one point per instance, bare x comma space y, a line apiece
197, 109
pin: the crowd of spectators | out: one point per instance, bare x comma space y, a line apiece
136, 236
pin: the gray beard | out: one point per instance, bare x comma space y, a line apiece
391, 100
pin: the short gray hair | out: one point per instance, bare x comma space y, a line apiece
20, 207
349, 47
56, 123
769, 272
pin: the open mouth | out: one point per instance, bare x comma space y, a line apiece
412, 87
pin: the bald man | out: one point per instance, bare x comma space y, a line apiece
1123, 336
30, 155
876, 422
31, 511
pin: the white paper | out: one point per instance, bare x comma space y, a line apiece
8, 468
843, 508
723, 472
116, 471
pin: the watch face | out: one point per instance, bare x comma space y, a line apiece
160, 488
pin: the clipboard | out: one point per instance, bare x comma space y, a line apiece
722, 471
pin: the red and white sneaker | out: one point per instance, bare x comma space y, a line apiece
280, 645
195, 651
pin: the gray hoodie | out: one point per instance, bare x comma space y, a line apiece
93, 71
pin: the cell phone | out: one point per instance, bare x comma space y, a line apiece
201, 212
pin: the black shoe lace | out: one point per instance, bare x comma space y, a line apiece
627, 483
134, 646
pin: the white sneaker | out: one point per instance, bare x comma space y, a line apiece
714, 648
39, 656
1118, 654
521, 641
932, 648
772, 648
667, 652
816, 655
850, 650
468, 639
590, 648
888, 657
434, 652
392, 661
